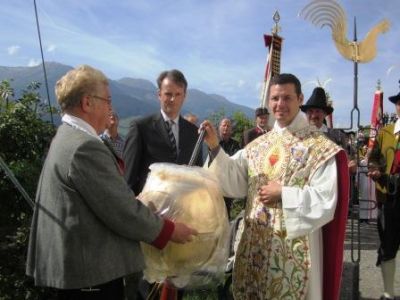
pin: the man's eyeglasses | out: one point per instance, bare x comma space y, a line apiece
108, 100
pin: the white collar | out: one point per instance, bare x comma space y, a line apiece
166, 118
80, 124
323, 128
396, 126
262, 129
300, 121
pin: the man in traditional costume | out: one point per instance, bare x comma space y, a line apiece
384, 168
317, 109
261, 126
292, 244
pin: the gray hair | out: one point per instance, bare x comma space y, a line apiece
76, 83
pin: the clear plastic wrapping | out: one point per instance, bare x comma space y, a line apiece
190, 195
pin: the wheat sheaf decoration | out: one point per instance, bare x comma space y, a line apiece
329, 13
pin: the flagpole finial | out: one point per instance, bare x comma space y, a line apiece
378, 85
276, 17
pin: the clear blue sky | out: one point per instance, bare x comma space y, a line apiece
218, 44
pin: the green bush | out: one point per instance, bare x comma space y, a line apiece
24, 138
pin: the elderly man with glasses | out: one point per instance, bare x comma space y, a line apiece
87, 224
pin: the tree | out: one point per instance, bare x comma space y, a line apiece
24, 138
240, 122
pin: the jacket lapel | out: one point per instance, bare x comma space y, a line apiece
160, 129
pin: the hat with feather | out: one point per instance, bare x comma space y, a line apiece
318, 100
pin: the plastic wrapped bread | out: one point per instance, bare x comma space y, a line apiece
190, 195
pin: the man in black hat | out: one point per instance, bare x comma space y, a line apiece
317, 109
261, 126
384, 168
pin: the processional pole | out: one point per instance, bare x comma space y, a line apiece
329, 13
355, 58
274, 43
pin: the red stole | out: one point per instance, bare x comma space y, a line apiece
334, 234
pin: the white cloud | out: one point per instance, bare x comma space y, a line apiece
13, 49
51, 48
33, 62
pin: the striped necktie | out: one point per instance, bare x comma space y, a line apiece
171, 137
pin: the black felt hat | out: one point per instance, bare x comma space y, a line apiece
261, 111
318, 100
395, 98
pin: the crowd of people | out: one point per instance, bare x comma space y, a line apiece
294, 176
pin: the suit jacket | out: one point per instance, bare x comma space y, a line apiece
250, 135
87, 224
148, 142
230, 147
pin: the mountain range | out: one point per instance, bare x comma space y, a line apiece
131, 96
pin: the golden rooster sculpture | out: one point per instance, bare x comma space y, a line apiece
329, 13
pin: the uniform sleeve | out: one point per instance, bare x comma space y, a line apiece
309, 208
95, 176
231, 173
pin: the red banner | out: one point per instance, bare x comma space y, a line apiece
273, 65
376, 117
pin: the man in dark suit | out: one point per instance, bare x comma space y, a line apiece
261, 126
162, 137
87, 224
226, 141
230, 147
149, 140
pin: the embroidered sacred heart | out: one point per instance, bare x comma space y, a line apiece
273, 158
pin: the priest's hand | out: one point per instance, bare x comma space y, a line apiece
270, 194
183, 233
211, 136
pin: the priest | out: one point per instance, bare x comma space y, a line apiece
292, 244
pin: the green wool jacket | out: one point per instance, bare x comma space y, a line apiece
382, 156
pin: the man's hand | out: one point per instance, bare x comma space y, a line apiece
182, 233
352, 166
270, 194
211, 136
374, 174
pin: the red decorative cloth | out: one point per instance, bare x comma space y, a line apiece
168, 292
334, 234
396, 161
